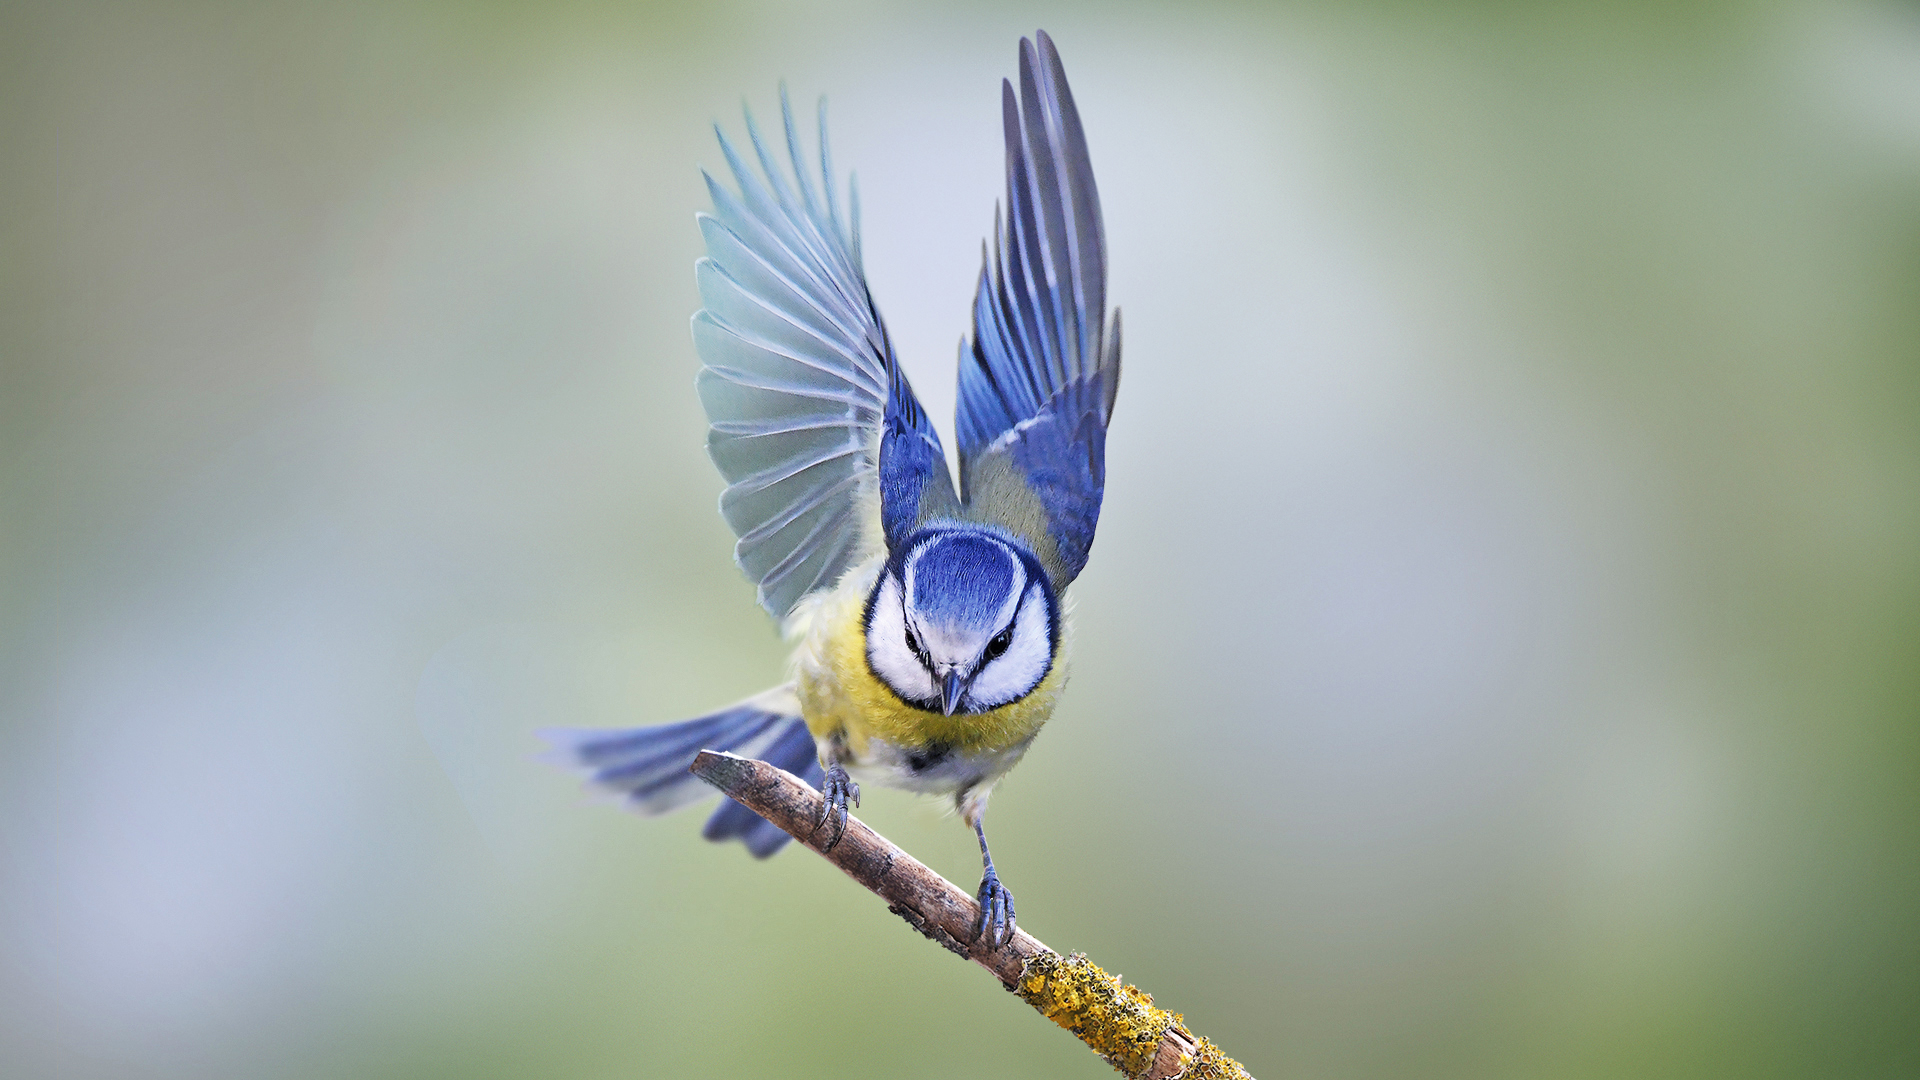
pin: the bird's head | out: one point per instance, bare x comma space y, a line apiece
961, 622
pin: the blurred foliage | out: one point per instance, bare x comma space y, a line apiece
1498, 658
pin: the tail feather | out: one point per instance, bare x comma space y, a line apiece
644, 760
794, 752
647, 766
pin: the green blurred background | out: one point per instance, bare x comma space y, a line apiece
1499, 658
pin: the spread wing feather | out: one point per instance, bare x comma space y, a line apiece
1037, 383
812, 418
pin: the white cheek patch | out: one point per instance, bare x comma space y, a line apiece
1026, 661
887, 652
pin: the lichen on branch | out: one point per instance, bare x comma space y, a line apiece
1119, 1021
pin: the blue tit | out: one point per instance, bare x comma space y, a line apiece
930, 626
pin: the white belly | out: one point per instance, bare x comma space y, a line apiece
934, 770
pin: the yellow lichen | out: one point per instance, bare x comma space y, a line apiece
1210, 1064
1117, 1020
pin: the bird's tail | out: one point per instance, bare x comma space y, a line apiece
647, 766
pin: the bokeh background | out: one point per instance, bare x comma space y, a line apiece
1500, 658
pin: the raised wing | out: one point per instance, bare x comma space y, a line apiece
813, 422
1037, 383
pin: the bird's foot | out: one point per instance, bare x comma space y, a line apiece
838, 787
996, 913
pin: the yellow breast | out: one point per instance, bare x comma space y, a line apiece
840, 695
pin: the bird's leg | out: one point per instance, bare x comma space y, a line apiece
996, 903
838, 787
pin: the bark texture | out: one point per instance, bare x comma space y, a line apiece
1120, 1022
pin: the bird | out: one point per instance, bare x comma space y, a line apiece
929, 621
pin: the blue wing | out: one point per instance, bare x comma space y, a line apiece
813, 421
1037, 384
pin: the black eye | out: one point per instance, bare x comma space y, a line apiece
999, 643
913, 643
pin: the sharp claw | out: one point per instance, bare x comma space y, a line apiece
836, 827
837, 786
996, 914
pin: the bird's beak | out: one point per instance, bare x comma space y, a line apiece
950, 691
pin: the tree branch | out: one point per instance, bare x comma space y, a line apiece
1119, 1022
